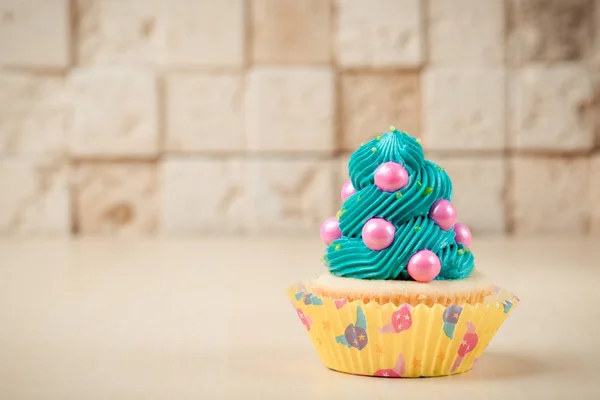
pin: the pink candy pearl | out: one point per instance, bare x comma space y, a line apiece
424, 266
390, 177
443, 214
378, 233
463, 234
347, 190
330, 230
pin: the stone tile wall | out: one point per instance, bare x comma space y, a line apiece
184, 117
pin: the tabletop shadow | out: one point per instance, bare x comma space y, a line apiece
512, 365
291, 363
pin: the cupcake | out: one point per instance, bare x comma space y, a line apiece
402, 296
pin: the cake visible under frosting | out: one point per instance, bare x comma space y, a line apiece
473, 282
472, 289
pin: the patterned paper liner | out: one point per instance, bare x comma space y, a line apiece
399, 341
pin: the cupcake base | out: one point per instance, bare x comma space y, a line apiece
471, 290
391, 340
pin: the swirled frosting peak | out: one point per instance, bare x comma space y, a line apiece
396, 217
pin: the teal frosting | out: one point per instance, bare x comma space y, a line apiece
407, 209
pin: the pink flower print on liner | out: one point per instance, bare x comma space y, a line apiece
396, 372
340, 303
401, 320
305, 319
467, 345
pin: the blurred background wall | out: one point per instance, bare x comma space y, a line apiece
182, 117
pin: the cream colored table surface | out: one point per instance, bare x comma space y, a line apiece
208, 319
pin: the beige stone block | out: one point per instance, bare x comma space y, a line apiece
204, 112
291, 196
205, 195
551, 108
34, 197
542, 30
478, 184
291, 31
463, 108
595, 195
34, 114
119, 32
379, 33
116, 199
549, 195
208, 33
35, 33
592, 109
371, 102
114, 112
290, 109
342, 173
595, 48
466, 32
340, 176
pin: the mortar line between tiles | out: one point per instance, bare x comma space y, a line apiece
251, 156
382, 70
74, 227
248, 41
44, 72
245, 70
338, 128
513, 152
161, 105
593, 28
507, 158
333, 30
594, 70
389, 70
426, 55
338, 119
78, 161
73, 33
329, 156
337, 79
199, 70
425, 61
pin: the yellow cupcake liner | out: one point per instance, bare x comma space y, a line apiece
392, 340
